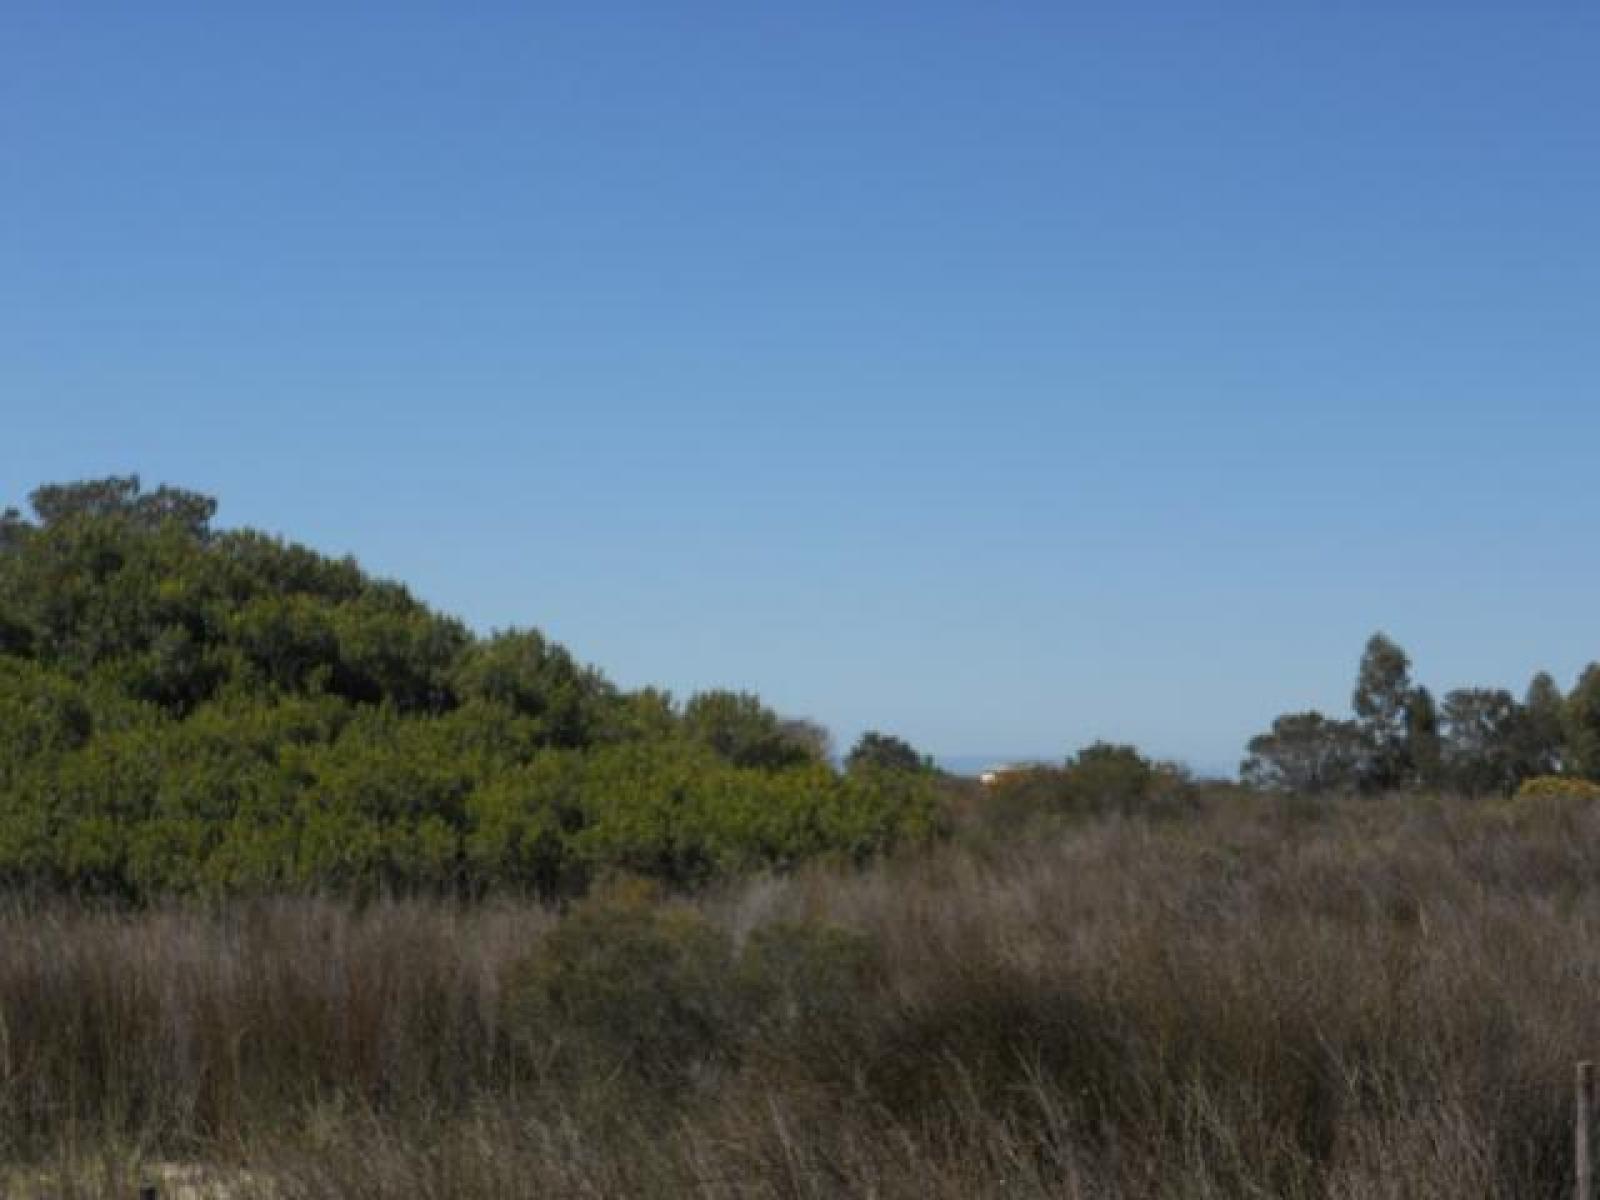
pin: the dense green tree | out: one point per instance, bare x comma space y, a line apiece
876, 751
392, 649
809, 737
288, 640
537, 679
1381, 701
644, 715
184, 710
1481, 741
13, 529
123, 498
1306, 753
1482, 732
745, 732
521, 824
42, 714
248, 563
1581, 723
1106, 775
1542, 749
1424, 745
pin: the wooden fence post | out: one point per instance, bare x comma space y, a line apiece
1583, 1134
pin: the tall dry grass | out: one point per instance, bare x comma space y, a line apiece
1372, 998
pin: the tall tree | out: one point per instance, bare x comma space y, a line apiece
1482, 730
1423, 744
1542, 749
1382, 698
1581, 723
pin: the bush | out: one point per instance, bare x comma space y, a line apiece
190, 712
627, 986
1548, 803
1559, 787
807, 982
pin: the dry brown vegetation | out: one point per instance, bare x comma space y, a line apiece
1360, 998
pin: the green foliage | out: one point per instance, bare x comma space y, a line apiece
288, 641
520, 824
631, 986
1483, 740
1382, 701
1424, 745
1110, 777
1101, 778
186, 711
675, 812
1480, 741
876, 751
1542, 751
803, 982
122, 498
1023, 797
536, 679
41, 713
1581, 723
739, 728
626, 985
393, 650
1305, 753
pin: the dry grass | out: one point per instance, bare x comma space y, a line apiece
1381, 998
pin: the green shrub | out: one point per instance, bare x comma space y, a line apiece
186, 711
805, 983
627, 986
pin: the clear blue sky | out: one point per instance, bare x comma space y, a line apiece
1004, 376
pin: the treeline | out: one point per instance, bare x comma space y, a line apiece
1477, 741
188, 710
1101, 779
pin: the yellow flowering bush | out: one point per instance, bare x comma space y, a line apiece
1549, 801
1559, 787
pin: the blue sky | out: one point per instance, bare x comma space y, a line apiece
1003, 376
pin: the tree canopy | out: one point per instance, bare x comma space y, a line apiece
1477, 741
876, 751
187, 709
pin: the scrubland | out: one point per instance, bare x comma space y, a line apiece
1239, 996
